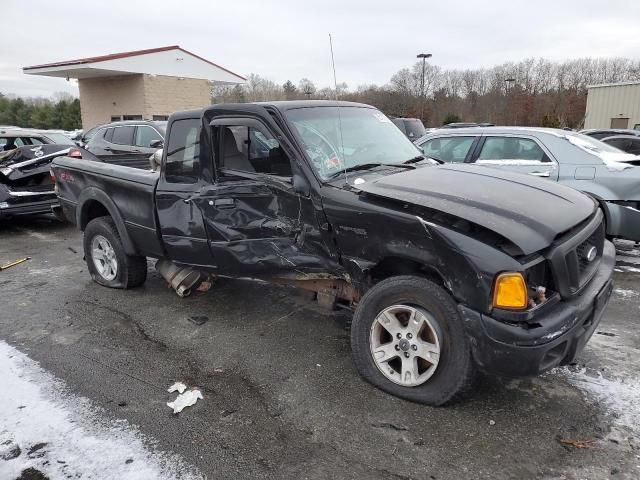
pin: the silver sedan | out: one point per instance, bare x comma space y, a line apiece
609, 175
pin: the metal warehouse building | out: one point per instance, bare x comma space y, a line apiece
613, 105
144, 84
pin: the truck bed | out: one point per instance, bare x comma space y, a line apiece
129, 190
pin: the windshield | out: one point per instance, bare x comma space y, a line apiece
336, 138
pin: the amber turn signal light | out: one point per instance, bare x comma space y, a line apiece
510, 291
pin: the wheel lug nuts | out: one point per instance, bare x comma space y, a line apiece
397, 347
406, 354
409, 336
414, 347
399, 335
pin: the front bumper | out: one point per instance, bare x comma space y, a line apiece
555, 338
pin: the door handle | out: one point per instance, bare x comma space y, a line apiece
222, 202
541, 174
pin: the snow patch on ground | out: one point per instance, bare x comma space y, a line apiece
626, 268
620, 395
78, 441
625, 293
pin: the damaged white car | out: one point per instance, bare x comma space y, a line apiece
609, 175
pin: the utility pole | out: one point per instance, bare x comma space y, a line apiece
424, 57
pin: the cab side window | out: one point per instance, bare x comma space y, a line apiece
183, 152
249, 149
451, 149
512, 148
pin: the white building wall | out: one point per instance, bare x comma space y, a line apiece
613, 101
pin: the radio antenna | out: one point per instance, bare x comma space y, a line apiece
333, 65
335, 85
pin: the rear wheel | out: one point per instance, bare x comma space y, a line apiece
407, 339
106, 259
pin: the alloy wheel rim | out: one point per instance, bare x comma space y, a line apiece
104, 258
404, 344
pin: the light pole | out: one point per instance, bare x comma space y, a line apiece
424, 57
508, 87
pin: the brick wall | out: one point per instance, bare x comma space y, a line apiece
165, 95
103, 97
146, 95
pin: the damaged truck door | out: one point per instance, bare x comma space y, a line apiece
253, 215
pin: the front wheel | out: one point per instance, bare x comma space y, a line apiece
407, 339
106, 259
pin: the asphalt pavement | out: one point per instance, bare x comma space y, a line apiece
281, 398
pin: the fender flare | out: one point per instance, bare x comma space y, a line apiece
605, 209
90, 194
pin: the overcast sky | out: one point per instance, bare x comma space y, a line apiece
282, 39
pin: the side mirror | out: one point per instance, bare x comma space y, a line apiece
300, 185
156, 160
156, 144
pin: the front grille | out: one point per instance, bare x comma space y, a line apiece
575, 261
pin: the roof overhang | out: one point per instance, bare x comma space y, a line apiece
167, 61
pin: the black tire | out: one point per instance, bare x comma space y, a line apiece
131, 271
454, 374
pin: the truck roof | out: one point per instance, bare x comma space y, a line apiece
281, 105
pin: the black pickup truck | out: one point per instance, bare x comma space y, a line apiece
450, 269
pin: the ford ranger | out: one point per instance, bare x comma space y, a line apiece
450, 269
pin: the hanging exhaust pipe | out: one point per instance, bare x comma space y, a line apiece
183, 279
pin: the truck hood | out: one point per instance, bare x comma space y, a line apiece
526, 210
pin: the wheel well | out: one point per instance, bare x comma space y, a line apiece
90, 210
394, 266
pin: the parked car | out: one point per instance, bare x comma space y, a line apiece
82, 138
127, 137
15, 137
626, 143
600, 133
578, 161
25, 184
449, 269
413, 128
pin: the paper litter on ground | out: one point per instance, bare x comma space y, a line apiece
177, 387
184, 400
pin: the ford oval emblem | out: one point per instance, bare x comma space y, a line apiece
591, 254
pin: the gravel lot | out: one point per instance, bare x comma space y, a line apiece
281, 398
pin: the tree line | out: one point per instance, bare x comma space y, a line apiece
60, 112
532, 92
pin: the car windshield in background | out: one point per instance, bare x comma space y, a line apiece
415, 128
59, 138
336, 138
161, 126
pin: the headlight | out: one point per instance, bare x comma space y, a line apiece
510, 291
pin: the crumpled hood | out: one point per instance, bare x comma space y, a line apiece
526, 210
